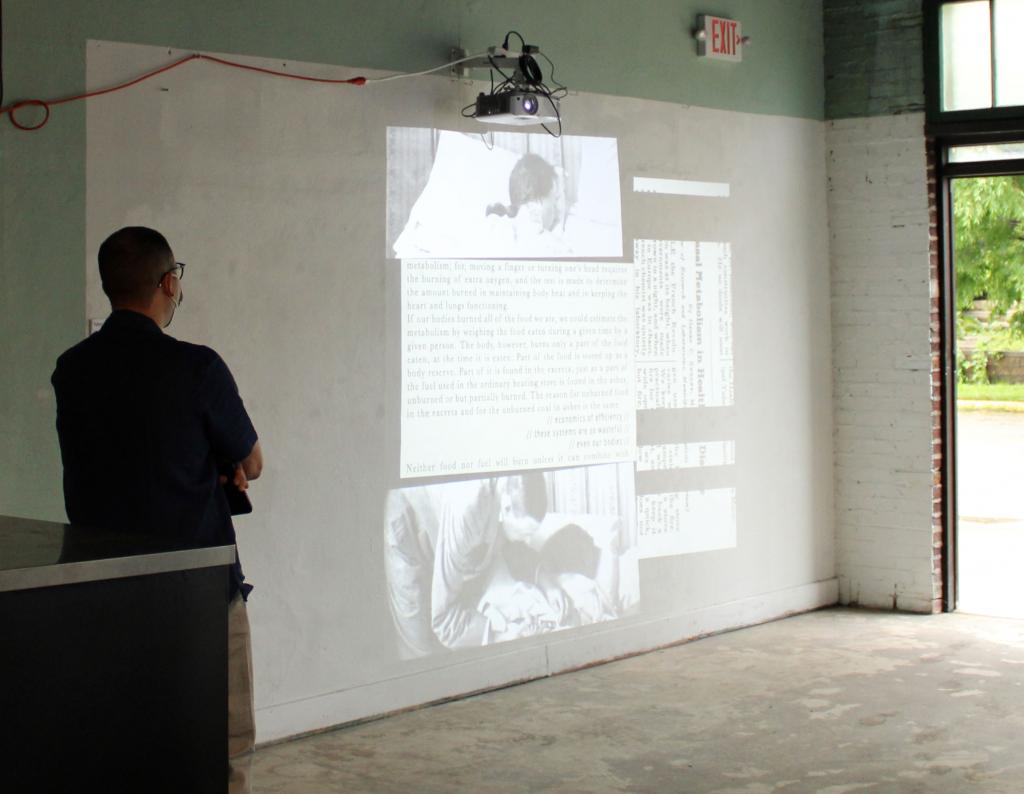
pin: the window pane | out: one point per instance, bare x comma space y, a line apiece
966, 56
1009, 25
988, 151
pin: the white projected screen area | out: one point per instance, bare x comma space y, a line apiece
501, 194
523, 364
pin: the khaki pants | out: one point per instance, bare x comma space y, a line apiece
241, 717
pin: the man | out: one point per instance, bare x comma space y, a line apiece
144, 423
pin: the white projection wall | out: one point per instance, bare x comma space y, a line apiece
526, 403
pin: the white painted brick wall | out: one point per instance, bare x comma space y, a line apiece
881, 300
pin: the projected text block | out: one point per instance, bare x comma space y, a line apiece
515, 365
686, 522
696, 454
684, 353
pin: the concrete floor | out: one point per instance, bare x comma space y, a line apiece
832, 701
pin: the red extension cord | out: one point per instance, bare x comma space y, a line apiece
10, 110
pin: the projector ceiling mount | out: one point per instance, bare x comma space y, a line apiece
521, 97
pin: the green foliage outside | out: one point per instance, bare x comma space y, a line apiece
989, 244
989, 342
989, 254
972, 368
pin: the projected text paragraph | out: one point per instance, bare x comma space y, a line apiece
515, 365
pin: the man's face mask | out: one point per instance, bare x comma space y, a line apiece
178, 271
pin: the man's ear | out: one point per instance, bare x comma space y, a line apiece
167, 287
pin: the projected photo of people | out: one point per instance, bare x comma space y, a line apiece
503, 195
476, 562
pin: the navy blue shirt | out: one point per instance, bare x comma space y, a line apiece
144, 422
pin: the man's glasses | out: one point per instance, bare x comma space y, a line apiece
178, 270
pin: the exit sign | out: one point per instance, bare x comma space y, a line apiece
719, 38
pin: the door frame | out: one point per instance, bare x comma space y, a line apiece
946, 172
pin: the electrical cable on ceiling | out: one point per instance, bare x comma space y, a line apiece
12, 109
448, 65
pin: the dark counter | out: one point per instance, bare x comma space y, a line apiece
113, 661
45, 553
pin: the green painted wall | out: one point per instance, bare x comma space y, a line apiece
640, 48
874, 57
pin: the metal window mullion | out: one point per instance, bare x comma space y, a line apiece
947, 301
977, 168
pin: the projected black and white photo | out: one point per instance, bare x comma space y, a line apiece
476, 562
505, 195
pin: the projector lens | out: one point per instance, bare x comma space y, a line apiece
529, 105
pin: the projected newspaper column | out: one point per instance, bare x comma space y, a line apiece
683, 324
686, 522
515, 365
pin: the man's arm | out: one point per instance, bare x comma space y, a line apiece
249, 468
232, 436
252, 464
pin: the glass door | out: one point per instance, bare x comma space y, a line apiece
986, 229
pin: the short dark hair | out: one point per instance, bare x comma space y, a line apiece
132, 261
535, 494
532, 178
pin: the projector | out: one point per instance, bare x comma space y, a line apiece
516, 107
